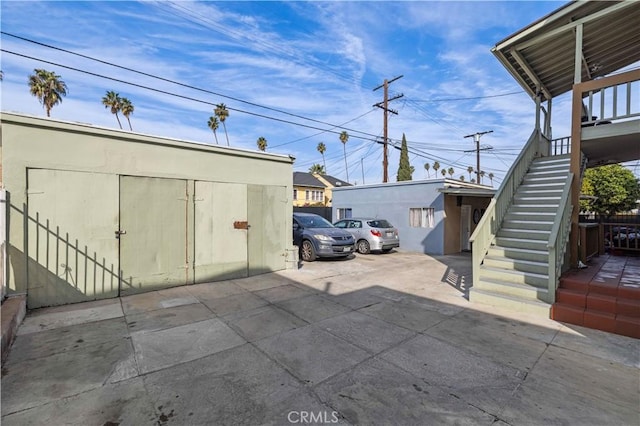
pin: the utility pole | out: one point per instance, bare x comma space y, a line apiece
476, 137
385, 110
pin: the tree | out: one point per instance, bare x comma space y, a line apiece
321, 149
48, 88
427, 166
317, 168
112, 100
481, 176
344, 138
473, 180
470, 170
491, 175
262, 143
444, 172
222, 113
451, 171
127, 109
213, 124
461, 178
405, 169
436, 166
616, 188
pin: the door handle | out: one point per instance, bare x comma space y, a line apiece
118, 233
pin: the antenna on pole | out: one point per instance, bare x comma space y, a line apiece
386, 110
476, 137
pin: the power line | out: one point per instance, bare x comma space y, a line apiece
161, 79
372, 137
466, 99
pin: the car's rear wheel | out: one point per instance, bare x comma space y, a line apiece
363, 247
307, 251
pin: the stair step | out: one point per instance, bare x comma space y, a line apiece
523, 215
533, 208
531, 179
535, 200
513, 242
548, 173
516, 264
549, 166
523, 291
528, 225
553, 158
519, 253
526, 234
517, 277
550, 184
540, 191
509, 302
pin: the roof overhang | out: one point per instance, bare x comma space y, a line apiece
468, 192
542, 56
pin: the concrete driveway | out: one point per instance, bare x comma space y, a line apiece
378, 339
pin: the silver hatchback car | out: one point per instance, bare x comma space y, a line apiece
371, 234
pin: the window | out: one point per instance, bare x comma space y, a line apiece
421, 217
295, 194
344, 214
317, 195
306, 195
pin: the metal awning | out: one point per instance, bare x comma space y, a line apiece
541, 57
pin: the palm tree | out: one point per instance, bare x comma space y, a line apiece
321, 149
444, 172
427, 166
317, 168
491, 178
48, 88
470, 170
112, 100
451, 171
461, 178
473, 180
344, 137
127, 109
436, 166
213, 125
481, 176
262, 143
222, 113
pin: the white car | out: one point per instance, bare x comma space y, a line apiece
371, 234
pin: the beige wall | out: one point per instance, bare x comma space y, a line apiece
452, 219
28, 142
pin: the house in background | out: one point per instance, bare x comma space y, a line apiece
432, 216
313, 189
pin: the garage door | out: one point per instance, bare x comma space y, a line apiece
72, 249
220, 247
154, 247
267, 235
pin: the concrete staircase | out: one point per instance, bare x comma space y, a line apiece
515, 271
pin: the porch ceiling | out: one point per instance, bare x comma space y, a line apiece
542, 54
598, 143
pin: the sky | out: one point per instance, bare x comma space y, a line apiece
296, 73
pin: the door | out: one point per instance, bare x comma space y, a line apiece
153, 241
71, 249
465, 227
267, 212
220, 235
